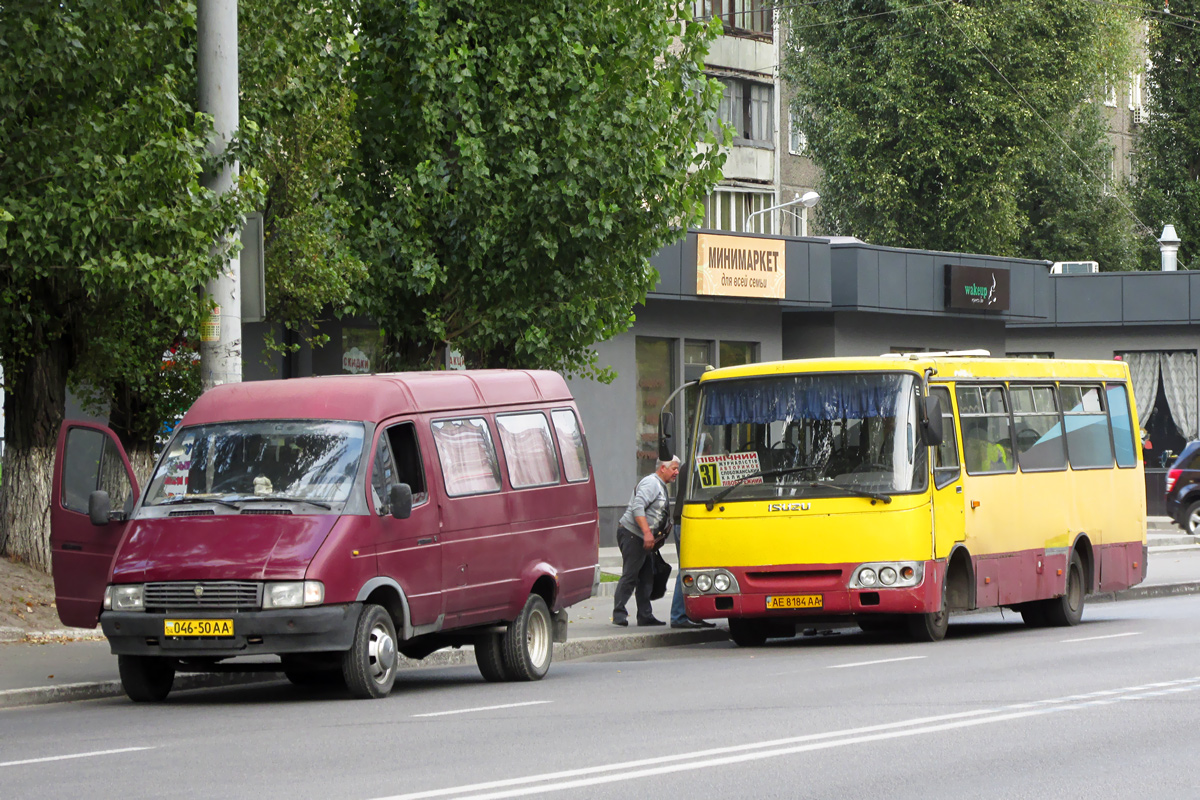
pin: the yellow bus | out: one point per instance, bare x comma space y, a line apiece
894, 490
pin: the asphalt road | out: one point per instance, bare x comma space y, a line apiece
1103, 710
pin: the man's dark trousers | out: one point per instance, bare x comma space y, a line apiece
637, 577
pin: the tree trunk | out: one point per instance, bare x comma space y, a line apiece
34, 404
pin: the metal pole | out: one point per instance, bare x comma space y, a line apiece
217, 74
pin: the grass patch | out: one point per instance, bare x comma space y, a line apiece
608, 577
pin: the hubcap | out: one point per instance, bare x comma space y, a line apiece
381, 653
537, 638
1193, 523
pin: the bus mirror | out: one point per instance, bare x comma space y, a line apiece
666, 424
400, 500
933, 421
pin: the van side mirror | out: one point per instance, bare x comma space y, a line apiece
933, 421
400, 500
666, 425
99, 508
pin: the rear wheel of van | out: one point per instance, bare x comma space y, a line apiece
369, 666
1062, 612
146, 679
528, 644
489, 656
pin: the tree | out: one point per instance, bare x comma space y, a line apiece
519, 164
938, 126
106, 234
1167, 156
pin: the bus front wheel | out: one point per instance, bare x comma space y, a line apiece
1065, 611
930, 627
748, 632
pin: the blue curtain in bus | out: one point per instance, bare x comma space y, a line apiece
805, 397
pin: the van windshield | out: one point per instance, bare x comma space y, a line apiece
813, 435
284, 460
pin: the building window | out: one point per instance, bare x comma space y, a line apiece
749, 109
797, 141
655, 378
738, 16
732, 210
1030, 355
1110, 92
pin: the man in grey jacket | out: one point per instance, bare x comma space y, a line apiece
647, 514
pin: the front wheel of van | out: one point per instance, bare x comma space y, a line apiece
369, 666
528, 644
146, 679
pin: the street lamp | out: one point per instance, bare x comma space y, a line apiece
807, 200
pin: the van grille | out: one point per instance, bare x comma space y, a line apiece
214, 594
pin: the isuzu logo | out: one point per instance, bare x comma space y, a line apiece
788, 507
198, 590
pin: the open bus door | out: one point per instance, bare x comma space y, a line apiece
94, 491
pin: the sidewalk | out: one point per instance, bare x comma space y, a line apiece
60, 666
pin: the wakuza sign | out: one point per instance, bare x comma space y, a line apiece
976, 288
740, 266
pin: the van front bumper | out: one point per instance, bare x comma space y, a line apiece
292, 630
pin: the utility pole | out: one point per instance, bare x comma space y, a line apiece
217, 73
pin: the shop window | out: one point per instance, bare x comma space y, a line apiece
734, 354
1039, 428
986, 432
1089, 445
468, 456
570, 444
528, 450
655, 379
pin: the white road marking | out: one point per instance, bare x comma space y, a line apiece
1095, 638
483, 708
684, 762
72, 755
869, 663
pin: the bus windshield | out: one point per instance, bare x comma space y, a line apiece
816, 435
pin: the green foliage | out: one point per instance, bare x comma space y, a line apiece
938, 126
519, 164
1167, 160
110, 232
295, 92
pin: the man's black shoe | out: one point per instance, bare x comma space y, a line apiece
621, 623
691, 623
648, 623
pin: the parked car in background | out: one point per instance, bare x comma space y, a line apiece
1183, 489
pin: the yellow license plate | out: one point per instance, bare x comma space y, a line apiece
795, 601
198, 627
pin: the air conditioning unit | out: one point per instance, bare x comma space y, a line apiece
1074, 267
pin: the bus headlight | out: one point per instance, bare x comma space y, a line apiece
888, 575
709, 581
704, 582
720, 582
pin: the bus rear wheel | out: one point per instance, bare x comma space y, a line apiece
1065, 611
748, 632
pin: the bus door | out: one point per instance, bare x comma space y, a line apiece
948, 498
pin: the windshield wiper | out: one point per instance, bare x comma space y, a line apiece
883, 498
282, 499
721, 495
186, 499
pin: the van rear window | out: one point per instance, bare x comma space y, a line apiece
468, 457
570, 444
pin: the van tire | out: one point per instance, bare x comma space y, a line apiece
369, 666
146, 679
528, 644
1067, 610
748, 632
489, 657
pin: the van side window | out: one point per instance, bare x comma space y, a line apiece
945, 458
528, 449
468, 457
1122, 426
1039, 428
1089, 444
93, 463
986, 431
570, 444
397, 460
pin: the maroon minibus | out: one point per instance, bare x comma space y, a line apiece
336, 523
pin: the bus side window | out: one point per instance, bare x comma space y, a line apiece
986, 431
945, 457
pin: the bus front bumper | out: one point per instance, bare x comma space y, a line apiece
815, 592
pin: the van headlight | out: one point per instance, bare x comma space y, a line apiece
124, 597
293, 594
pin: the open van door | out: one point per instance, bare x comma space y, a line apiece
94, 492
